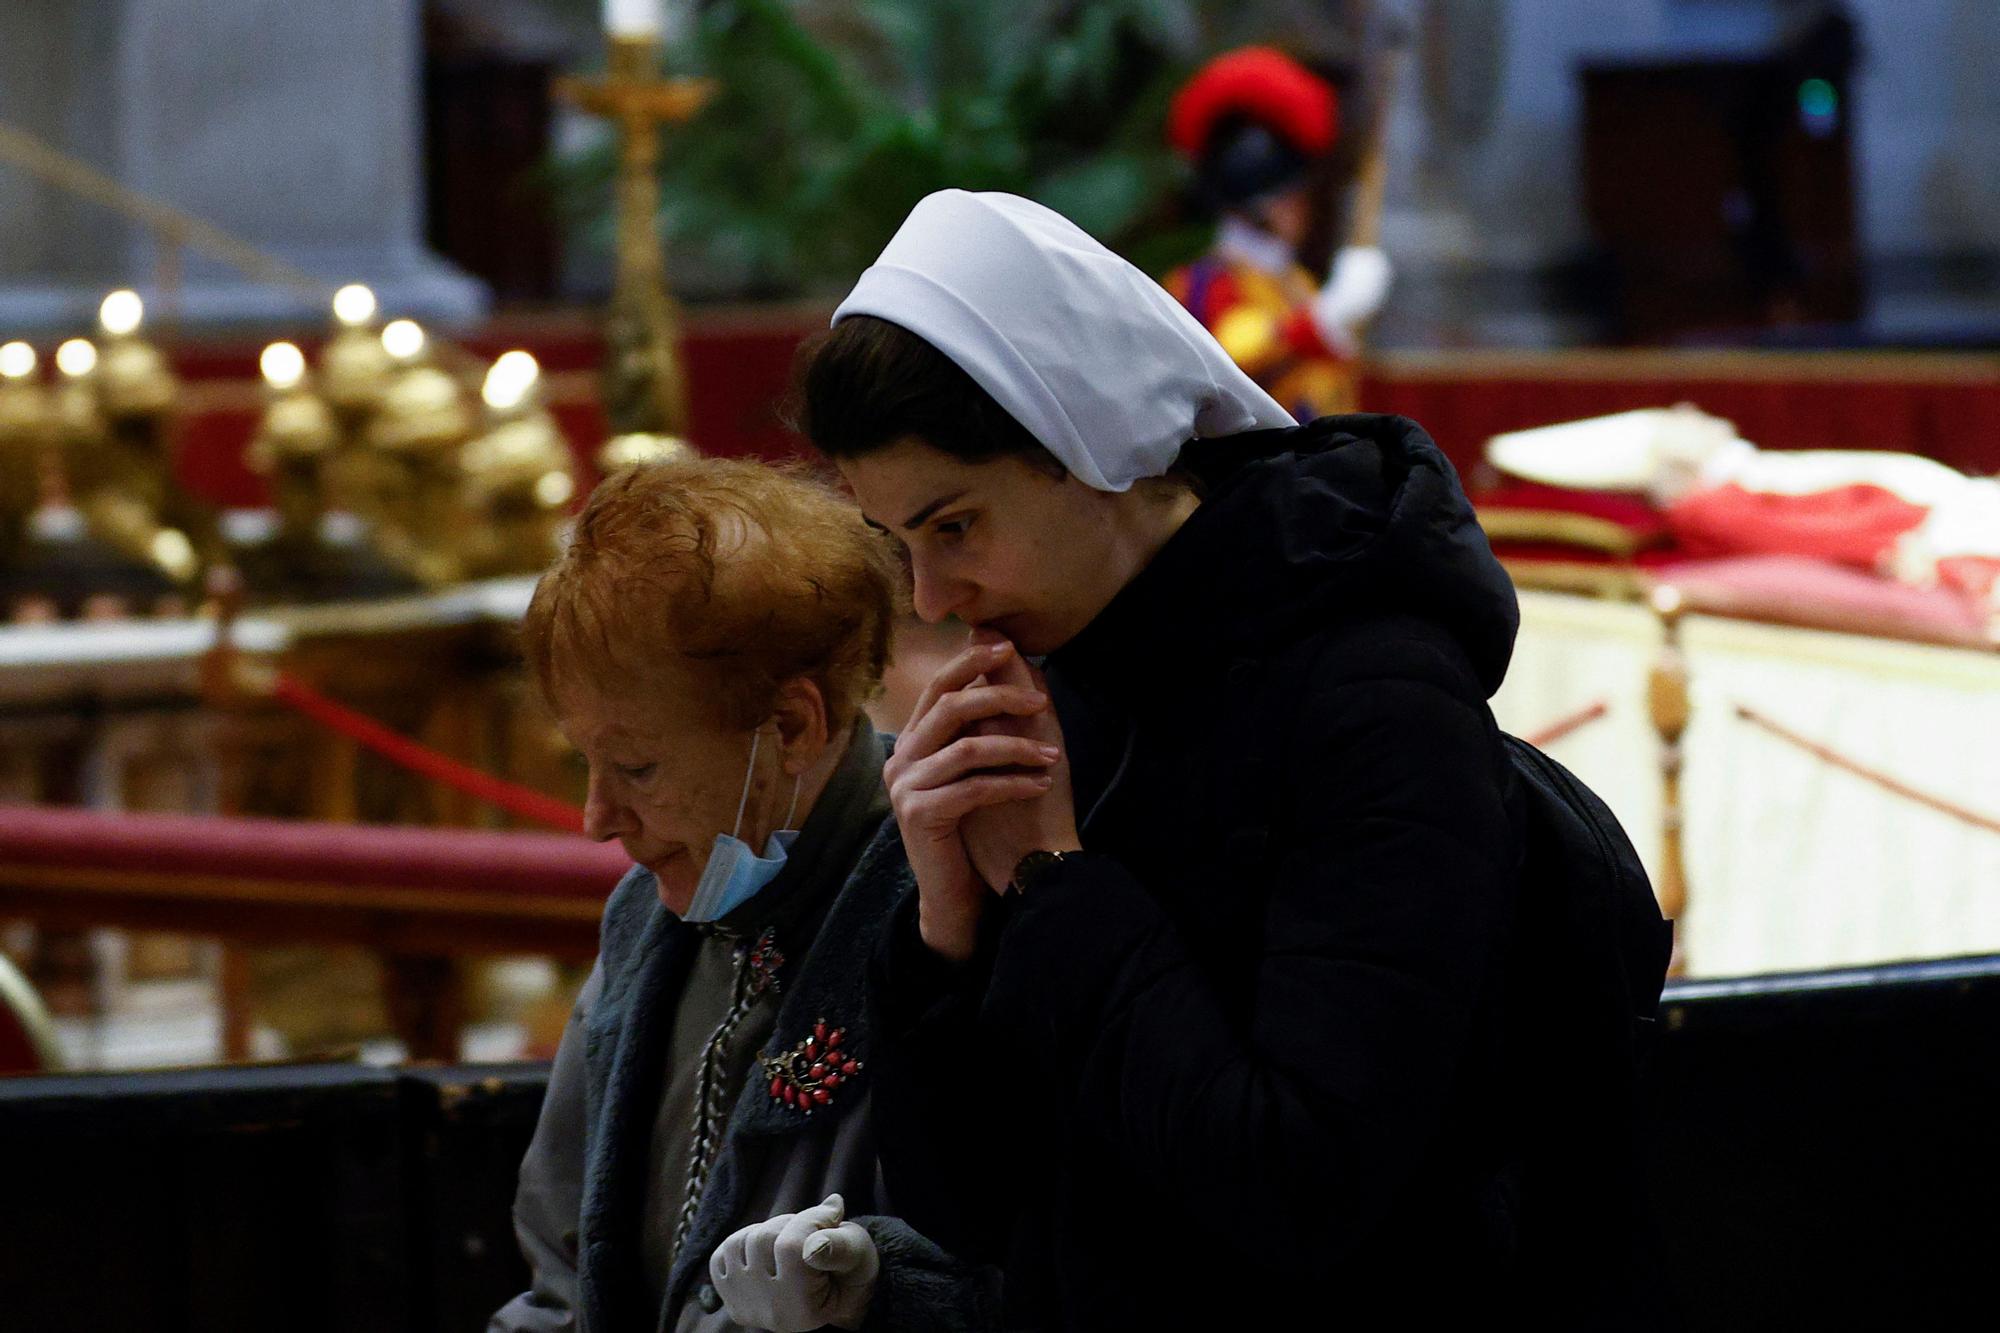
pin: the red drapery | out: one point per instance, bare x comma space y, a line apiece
1943, 406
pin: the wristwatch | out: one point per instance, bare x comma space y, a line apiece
1036, 866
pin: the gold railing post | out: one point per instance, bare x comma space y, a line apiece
1668, 702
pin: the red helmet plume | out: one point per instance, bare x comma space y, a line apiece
1262, 84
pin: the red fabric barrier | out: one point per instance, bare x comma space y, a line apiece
451, 860
400, 750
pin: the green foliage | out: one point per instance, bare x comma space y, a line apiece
834, 119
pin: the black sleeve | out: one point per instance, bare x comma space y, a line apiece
922, 1289
1288, 1135
943, 1134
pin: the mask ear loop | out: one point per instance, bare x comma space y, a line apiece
748, 773
793, 813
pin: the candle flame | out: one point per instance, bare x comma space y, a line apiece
122, 313
403, 339
77, 357
509, 380
283, 365
354, 305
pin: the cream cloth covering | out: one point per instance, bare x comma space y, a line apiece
1791, 863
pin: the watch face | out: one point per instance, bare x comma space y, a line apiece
1033, 866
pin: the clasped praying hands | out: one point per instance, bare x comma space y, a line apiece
979, 779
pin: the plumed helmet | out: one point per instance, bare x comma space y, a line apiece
1252, 121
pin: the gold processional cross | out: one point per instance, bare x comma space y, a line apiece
645, 391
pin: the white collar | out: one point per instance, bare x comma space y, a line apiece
1246, 243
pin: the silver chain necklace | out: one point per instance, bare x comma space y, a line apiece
756, 972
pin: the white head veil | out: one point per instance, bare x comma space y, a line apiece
1101, 365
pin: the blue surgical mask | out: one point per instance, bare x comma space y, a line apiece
735, 874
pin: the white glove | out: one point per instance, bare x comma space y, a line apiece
797, 1271
1354, 293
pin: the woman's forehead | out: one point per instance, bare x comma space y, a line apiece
637, 711
899, 482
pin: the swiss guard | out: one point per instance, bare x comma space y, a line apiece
1253, 123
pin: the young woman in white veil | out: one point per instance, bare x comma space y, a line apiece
1207, 1024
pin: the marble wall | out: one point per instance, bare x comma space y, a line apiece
295, 127
1486, 182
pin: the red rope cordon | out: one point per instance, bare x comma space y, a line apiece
400, 750
1562, 727
1861, 770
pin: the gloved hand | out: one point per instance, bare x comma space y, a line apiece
1355, 290
797, 1271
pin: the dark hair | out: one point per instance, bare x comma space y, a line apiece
1243, 161
868, 383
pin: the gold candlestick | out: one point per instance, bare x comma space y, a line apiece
645, 391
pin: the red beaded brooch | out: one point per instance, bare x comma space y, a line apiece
812, 1072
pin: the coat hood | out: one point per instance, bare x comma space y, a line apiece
1303, 527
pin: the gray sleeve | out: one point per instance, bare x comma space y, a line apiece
548, 1204
922, 1289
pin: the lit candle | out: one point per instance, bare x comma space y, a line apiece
353, 305
402, 339
121, 313
632, 18
283, 366
509, 380
76, 358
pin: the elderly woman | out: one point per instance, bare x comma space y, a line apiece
706, 644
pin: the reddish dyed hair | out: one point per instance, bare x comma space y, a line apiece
740, 575
1260, 84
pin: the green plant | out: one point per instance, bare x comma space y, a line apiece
834, 119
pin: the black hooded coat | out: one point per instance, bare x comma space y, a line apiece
1249, 1061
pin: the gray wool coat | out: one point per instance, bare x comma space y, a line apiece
579, 1209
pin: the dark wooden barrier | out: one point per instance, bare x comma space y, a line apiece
310, 1198
1825, 1148
1823, 1158
230, 1201
465, 1129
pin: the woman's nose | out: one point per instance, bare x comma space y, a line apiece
603, 817
932, 596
